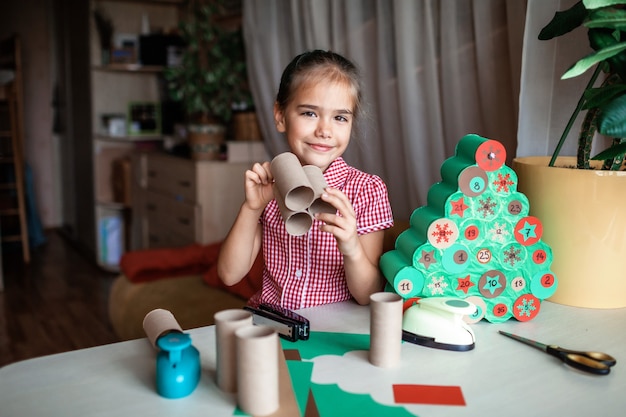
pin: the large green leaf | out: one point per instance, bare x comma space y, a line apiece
590, 60
612, 152
612, 118
564, 22
596, 4
597, 97
610, 18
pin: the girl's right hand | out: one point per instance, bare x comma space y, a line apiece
259, 186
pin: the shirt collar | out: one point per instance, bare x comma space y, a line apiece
336, 173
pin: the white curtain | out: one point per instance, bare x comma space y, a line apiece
433, 70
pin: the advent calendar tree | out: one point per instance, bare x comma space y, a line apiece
475, 239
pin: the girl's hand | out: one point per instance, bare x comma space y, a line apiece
342, 225
259, 186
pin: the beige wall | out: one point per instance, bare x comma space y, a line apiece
32, 21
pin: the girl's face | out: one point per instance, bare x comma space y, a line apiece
317, 122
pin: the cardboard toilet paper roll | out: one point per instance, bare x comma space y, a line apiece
159, 322
257, 370
291, 182
316, 178
297, 223
226, 323
385, 329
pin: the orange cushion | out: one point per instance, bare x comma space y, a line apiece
154, 264
249, 285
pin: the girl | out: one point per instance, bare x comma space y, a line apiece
318, 100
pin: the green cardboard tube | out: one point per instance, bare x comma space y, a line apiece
400, 274
421, 218
438, 194
468, 145
407, 243
452, 168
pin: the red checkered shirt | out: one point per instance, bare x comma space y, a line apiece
304, 271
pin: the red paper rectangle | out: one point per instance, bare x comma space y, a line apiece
428, 394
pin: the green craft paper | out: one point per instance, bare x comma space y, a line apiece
300, 373
330, 400
333, 402
328, 343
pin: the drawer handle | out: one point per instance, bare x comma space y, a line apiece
184, 183
151, 207
152, 174
184, 220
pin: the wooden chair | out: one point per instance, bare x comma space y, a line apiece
13, 221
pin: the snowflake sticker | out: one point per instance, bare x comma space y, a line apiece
526, 307
486, 207
512, 255
442, 233
499, 233
503, 183
438, 285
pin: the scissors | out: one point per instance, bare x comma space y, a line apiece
593, 362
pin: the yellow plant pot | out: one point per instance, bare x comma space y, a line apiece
583, 213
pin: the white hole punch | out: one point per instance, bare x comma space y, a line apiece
437, 322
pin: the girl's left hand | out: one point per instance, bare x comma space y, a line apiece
341, 225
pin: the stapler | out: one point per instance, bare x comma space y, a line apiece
438, 323
288, 324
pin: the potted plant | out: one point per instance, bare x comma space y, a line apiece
211, 77
581, 199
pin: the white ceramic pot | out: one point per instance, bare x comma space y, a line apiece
583, 213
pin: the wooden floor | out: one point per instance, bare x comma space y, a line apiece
56, 303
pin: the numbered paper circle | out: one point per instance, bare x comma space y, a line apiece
543, 285
528, 230
491, 284
456, 258
481, 310
473, 181
408, 282
442, 233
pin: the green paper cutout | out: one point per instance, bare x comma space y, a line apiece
330, 399
300, 373
328, 343
333, 402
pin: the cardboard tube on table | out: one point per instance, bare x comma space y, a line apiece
159, 322
316, 178
226, 323
385, 329
291, 182
257, 370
